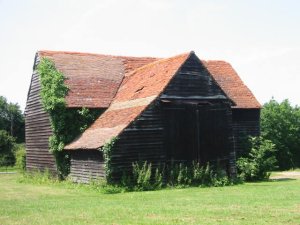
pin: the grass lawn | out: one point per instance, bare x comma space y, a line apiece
275, 202
7, 169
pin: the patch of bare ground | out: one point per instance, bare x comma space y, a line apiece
286, 175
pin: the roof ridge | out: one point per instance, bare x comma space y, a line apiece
160, 60
95, 54
215, 60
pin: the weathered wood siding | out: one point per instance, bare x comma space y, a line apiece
86, 165
193, 81
194, 85
37, 129
143, 140
245, 122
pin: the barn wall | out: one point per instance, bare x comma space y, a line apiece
86, 165
194, 84
37, 130
143, 140
193, 81
245, 122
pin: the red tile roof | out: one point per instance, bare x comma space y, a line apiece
231, 84
93, 79
136, 92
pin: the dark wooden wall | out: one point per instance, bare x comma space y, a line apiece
201, 132
194, 85
193, 81
86, 165
245, 122
143, 140
37, 129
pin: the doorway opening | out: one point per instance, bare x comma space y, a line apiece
197, 132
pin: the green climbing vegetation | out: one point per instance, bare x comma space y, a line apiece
66, 123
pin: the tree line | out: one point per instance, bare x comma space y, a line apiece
280, 123
12, 131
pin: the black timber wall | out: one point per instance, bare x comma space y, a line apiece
193, 81
246, 122
86, 165
142, 140
194, 85
37, 129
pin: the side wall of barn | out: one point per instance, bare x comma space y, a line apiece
142, 140
86, 165
37, 129
246, 122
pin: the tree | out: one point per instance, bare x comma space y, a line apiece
259, 161
280, 123
7, 144
12, 119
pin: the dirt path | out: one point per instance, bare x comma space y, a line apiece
286, 175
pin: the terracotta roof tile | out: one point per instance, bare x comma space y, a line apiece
93, 79
231, 84
138, 90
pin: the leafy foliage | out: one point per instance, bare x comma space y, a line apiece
66, 123
260, 161
280, 123
12, 119
107, 153
7, 144
20, 155
144, 177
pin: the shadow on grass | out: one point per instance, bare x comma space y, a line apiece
281, 179
268, 182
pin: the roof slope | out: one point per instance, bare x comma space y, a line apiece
231, 84
136, 92
93, 79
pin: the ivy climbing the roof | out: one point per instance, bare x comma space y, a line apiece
66, 123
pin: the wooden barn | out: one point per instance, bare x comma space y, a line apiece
178, 109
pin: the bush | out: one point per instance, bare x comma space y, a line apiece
20, 155
38, 177
280, 123
259, 162
144, 177
7, 144
107, 153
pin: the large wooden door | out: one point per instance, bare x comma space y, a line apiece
196, 132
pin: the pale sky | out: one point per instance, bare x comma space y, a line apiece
260, 38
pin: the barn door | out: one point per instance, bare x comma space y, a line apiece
195, 132
212, 133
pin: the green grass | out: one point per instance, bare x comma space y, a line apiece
7, 169
275, 202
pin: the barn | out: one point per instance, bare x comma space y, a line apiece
178, 109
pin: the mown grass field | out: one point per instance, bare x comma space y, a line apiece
8, 169
276, 202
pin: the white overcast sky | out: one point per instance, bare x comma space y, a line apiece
260, 38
